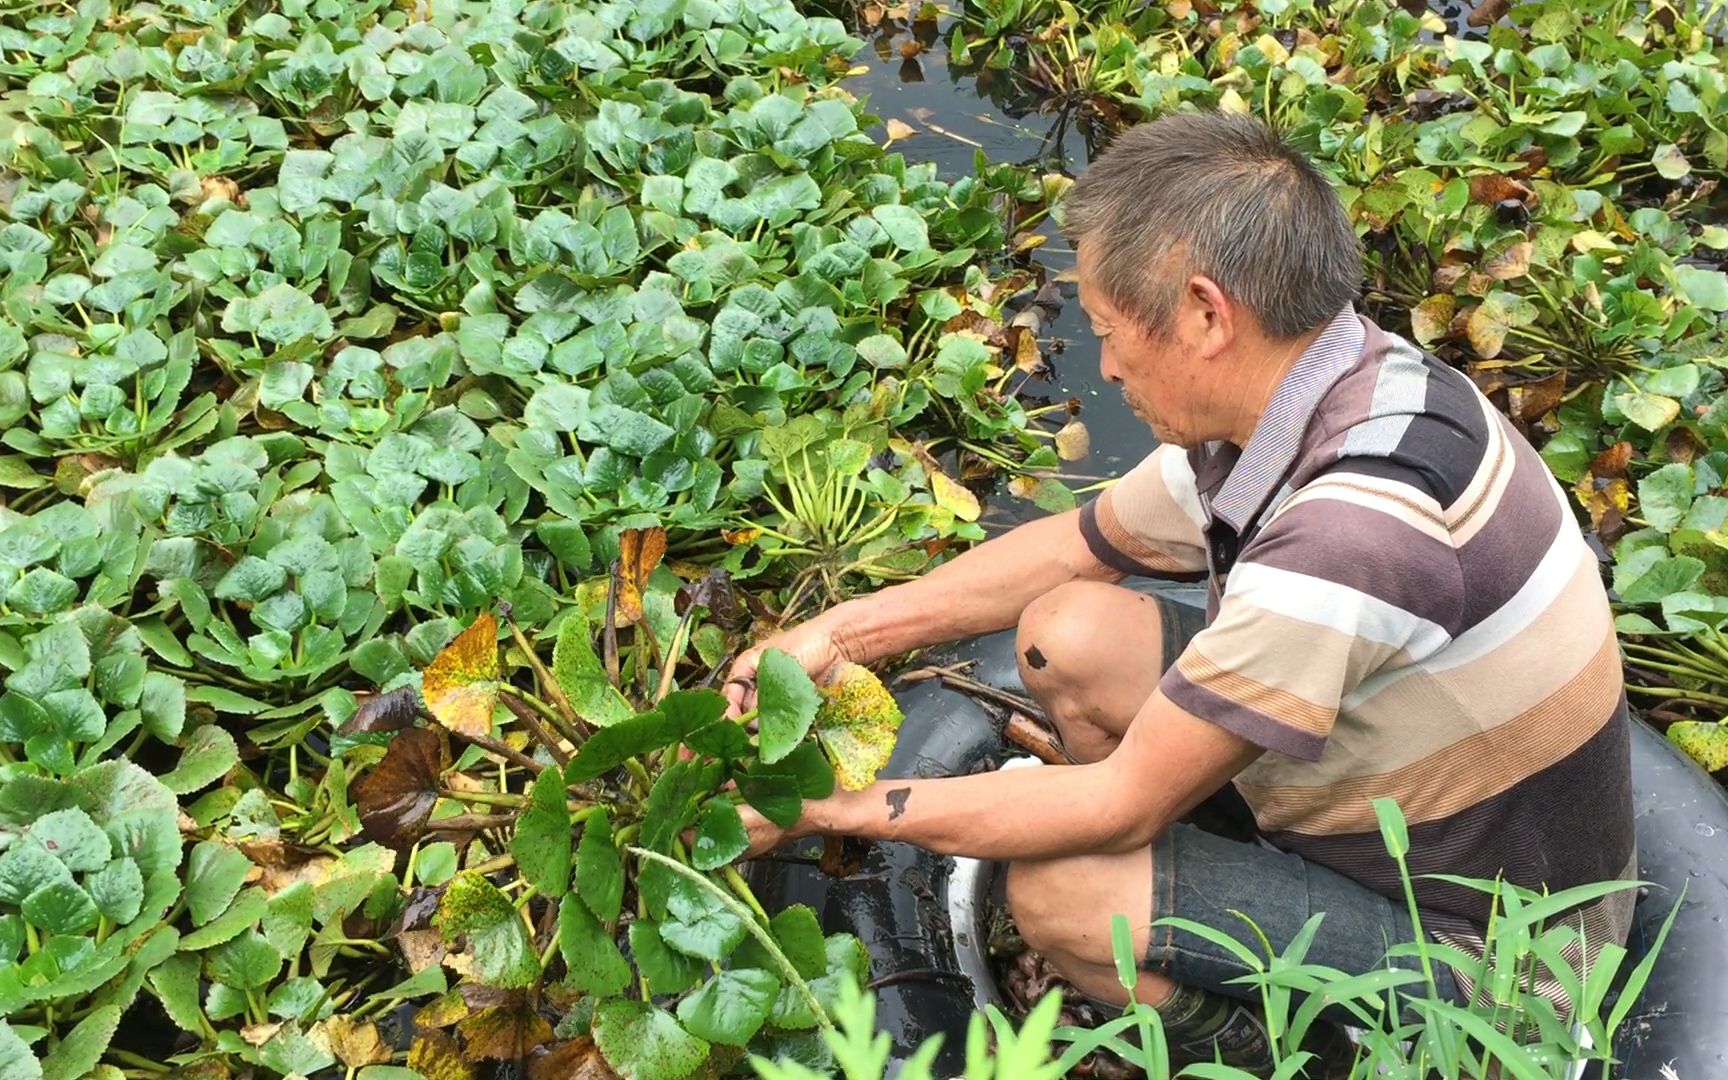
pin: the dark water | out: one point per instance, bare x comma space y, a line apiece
955, 114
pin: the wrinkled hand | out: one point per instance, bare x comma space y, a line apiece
812, 644
764, 835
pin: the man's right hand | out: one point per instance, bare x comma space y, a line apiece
812, 644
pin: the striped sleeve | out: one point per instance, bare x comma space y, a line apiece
1150, 522
1354, 574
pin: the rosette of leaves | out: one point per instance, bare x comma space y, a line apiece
636, 927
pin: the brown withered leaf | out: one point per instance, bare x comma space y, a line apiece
436, 1056
716, 593
1535, 159
259, 1034
385, 712
421, 949
1514, 262
1533, 400
639, 552
897, 130
985, 327
842, 856
396, 797
505, 1032
1684, 445
1025, 351
356, 1042
1491, 188
460, 685
572, 1059
1489, 12
1073, 442
1612, 461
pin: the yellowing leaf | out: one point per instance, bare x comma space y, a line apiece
954, 497
1231, 102
461, 684
1430, 318
1704, 742
1073, 442
1589, 240
356, 1043
857, 724
1514, 262
639, 552
897, 130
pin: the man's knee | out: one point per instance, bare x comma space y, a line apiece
1054, 903
1052, 639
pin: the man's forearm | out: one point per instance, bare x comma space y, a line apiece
1014, 814
981, 591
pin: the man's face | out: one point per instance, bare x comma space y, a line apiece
1159, 378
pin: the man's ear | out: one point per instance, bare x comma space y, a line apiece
1210, 316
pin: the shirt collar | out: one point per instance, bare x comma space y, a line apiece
1270, 450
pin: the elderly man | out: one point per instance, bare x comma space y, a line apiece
1400, 605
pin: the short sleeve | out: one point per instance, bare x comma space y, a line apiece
1150, 522
1337, 587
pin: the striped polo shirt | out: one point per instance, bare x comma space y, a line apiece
1400, 605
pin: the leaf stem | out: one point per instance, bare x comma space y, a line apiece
754, 928
553, 690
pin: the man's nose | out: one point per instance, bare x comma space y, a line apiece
1107, 367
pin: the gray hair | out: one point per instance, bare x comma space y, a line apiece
1220, 195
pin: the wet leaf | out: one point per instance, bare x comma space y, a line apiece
83, 1046
667, 970
897, 130
730, 1007
646, 1043
786, 703
461, 683
858, 723
954, 497
16, 1060
720, 835
207, 756
505, 1032
396, 796
541, 843
699, 924
497, 940
799, 934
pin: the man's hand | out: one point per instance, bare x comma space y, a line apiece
812, 644
764, 835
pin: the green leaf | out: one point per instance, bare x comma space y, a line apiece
60, 907
642, 1042
247, 962
600, 869
117, 890
251, 579
1670, 163
207, 756
700, 924
1665, 576
730, 1007
1652, 412
16, 1060
288, 919
83, 1046
497, 940
74, 838
799, 935
214, 874
810, 768
720, 835
247, 909
1707, 289
596, 966
667, 970
542, 840
610, 747
41, 592
786, 703
1665, 495
581, 676
904, 226
175, 982
774, 795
